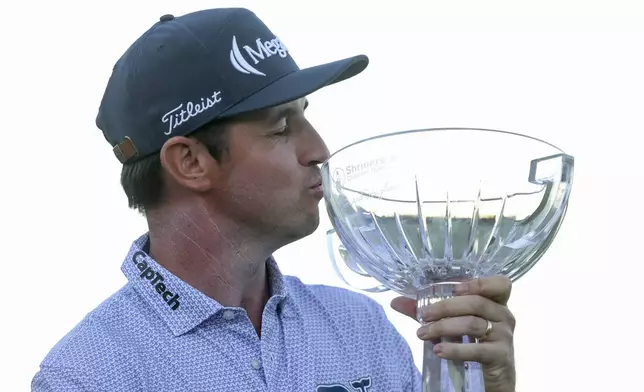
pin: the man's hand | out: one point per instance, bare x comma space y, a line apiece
467, 313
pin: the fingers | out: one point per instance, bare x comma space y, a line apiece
457, 327
496, 288
453, 327
484, 353
468, 305
487, 298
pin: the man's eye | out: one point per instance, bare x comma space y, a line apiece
283, 130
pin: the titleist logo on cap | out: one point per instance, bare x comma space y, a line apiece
187, 110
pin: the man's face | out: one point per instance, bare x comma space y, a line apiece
269, 179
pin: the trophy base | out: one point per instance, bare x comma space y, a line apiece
443, 375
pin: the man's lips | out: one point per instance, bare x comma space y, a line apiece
317, 189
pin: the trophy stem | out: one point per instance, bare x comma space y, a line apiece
442, 375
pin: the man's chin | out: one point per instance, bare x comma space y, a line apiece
313, 226
305, 229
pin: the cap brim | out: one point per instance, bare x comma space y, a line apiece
299, 84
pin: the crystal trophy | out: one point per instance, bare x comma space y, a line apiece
417, 212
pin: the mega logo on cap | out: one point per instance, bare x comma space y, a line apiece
262, 51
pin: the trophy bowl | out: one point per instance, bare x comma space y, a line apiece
417, 212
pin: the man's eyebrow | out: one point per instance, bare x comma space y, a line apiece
286, 112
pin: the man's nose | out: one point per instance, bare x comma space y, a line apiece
316, 150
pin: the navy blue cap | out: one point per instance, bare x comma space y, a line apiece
187, 71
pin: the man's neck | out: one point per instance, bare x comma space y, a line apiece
214, 259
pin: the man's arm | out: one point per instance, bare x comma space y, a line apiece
57, 379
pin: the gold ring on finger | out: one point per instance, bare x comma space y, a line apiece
486, 334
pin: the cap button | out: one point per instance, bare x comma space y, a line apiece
166, 18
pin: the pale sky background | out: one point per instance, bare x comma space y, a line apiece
570, 72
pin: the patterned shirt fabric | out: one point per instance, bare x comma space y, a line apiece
158, 333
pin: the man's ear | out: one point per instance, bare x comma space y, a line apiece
188, 162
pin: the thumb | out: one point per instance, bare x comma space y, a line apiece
404, 305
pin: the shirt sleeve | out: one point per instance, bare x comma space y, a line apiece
57, 379
416, 379
400, 352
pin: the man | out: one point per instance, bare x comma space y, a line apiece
206, 114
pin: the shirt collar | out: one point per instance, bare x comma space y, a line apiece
179, 305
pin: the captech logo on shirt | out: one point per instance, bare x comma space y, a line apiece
262, 51
156, 280
187, 110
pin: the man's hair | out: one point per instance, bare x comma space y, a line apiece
143, 180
